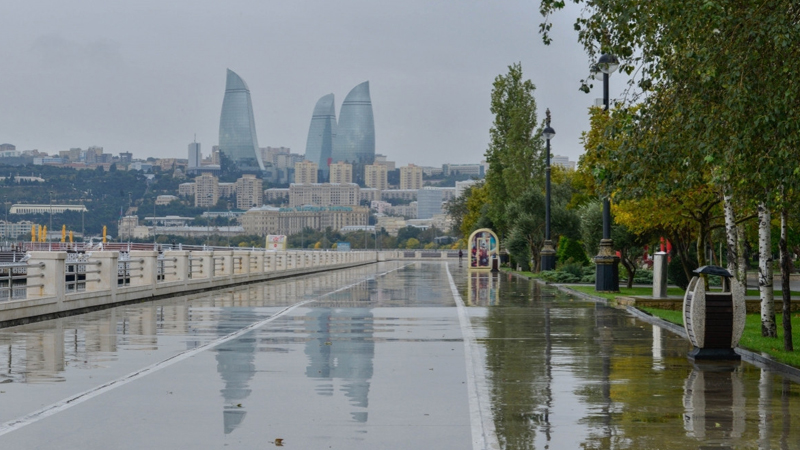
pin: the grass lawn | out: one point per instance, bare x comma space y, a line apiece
623, 291
751, 338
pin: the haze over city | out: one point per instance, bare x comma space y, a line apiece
146, 77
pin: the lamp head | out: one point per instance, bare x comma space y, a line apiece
608, 63
548, 132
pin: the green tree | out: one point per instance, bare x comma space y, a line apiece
717, 99
515, 150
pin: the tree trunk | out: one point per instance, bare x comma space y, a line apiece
741, 255
768, 327
630, 266
701, 252
786, 270
731, 237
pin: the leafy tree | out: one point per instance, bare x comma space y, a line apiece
514, 152
717, 99
412, 243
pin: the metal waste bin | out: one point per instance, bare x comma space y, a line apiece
714, 321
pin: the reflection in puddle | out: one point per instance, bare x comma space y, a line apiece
340, 349
715, 403
235, 366
565, 373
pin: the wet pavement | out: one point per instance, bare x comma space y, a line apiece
375, 357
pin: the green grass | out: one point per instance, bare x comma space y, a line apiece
623, 291
645, 291
751, 338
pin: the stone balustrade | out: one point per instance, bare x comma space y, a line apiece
58, 284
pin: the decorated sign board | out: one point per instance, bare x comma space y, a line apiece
483, 249
276, 242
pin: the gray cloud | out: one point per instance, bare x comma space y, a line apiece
145, 76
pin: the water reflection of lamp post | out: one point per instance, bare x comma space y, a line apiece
606, 262
548, 253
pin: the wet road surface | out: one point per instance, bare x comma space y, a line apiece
375, 357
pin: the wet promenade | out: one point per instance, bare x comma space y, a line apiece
380, 356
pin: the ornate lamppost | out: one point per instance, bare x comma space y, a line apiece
606, 261
548, 253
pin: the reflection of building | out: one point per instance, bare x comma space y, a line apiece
237, 128
321, 135
235, 366
341, 350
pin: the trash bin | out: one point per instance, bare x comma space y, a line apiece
714, 321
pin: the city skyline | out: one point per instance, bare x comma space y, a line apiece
85, 74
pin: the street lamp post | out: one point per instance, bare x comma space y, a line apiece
155, 223
548, 253
5, 202
606, 261
50, 230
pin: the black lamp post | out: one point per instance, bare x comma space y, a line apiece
548, 253
606, 261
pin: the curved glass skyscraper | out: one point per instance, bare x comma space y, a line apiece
237, 128
355, 137
322, 133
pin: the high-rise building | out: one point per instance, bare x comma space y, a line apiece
411, 177
355, 133
324, 194
195, 157
206, 191
249, 192
375, 176
305, 172
429, 203
341, 172
321, 134
237, 128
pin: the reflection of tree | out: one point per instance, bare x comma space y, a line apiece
340, 346
515, 361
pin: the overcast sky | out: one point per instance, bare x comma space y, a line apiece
145, 76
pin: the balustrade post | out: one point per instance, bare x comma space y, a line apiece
258, 256
103, 276
181, 264
50, 270
149, 273
206, 264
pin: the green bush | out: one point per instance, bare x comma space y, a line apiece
571, 250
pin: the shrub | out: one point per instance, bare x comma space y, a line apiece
571, 250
